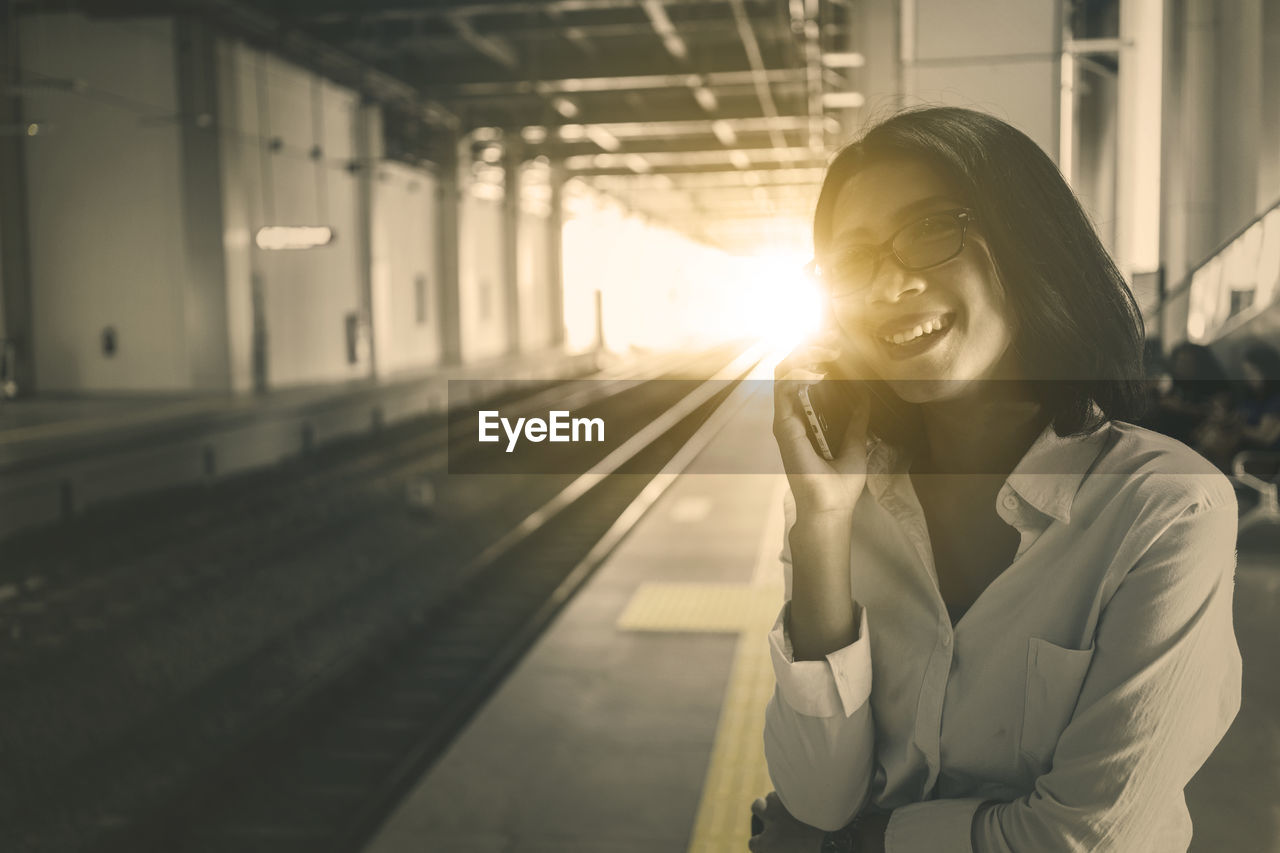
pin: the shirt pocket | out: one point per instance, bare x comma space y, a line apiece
1054, 677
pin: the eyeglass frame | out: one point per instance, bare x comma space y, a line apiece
964, 215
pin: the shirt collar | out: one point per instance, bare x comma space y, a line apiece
1047, 477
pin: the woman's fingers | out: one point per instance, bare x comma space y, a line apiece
758, 807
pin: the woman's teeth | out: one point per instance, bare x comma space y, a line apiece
934, 325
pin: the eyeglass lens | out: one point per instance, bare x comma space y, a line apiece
929, 242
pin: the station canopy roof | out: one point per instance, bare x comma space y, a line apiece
715, 117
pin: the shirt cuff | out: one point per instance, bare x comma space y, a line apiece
822, 688
934, 826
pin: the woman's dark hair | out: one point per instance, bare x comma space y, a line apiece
1079, 332
1267, 359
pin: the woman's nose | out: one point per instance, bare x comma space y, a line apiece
891, 282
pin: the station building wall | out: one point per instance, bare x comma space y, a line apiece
289, 139
480, 278
999, 56
105, 214
405, 260
532, 248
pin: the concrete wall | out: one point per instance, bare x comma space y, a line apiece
999, 56
481, 270
104, 204
1221, 162
406, 315
1222, 152
532, 247
289, 138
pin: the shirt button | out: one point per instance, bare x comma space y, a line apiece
1010, 502
946, 641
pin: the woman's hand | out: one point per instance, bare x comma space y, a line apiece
782, 833
818, 486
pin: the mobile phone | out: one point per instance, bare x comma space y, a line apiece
827, 408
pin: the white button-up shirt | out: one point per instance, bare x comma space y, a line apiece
1081, 691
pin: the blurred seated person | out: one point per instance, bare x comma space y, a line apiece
1198, 386
1253, 423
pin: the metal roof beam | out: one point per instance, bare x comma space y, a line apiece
617, 84
759, 74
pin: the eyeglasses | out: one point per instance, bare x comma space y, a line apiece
919, 245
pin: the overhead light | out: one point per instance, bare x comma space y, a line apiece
602, 137
663, 27
638, 164
534, 134
486, 134
572, 132
842, 100
48, 84
847, 59
705, 98
565, 107
604, 161
273, 237
724, 132
491, 153
739, 159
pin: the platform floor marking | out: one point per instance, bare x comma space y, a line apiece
736, 774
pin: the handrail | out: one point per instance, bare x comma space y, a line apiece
1185, 282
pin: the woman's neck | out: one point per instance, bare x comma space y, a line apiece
986, 432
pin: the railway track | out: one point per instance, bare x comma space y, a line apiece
165, 773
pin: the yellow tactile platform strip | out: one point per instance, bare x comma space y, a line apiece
736, 774
712, 607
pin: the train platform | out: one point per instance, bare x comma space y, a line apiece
634, 723
62, 453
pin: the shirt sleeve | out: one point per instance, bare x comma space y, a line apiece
1162, 687
818, 734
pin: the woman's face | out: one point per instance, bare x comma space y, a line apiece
975, 338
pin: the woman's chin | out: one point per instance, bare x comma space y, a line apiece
925, 389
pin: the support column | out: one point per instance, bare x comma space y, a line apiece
512, 154
555, 254
449, 209
205, 289
369, 151
15, 271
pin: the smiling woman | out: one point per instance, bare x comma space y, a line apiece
1041, 589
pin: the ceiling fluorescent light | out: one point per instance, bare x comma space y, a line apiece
273, 237
602, 137
724, 132
739, 159
565, 107
842, 100
848, 59
705, 98
638, 164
